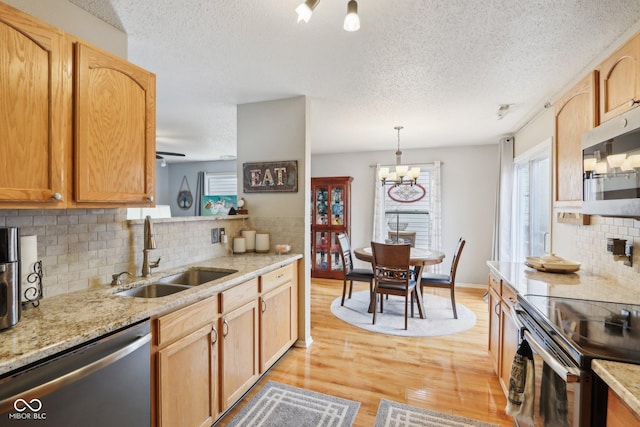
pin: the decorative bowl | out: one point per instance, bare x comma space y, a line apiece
398, 226
283, 249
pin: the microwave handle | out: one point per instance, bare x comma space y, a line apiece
567, 373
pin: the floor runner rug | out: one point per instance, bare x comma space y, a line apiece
280, 405
439, 316
394, 414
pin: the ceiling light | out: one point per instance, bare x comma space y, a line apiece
502, 110
305, 10
352, 21
401, 172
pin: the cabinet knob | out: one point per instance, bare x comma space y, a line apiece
56, 196
150, 197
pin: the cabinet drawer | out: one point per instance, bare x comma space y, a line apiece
276, 278
238, 295
185, 320
495, 283
508, 295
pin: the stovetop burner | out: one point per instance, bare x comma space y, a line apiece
593, 329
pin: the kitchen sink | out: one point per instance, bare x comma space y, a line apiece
153, 290
195, 277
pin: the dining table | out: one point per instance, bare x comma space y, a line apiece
418, 258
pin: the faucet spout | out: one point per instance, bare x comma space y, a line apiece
149, 244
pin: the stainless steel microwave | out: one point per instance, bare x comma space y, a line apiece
611, 167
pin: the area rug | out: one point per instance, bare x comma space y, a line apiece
394, 414
280, 405
439, 316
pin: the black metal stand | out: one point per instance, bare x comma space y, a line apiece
33, 294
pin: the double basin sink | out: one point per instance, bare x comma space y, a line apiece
176, 282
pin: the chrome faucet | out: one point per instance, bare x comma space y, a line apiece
149, 244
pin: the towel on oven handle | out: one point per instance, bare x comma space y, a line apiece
520, 401
553, 398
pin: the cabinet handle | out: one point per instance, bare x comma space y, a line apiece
633, 102
264, 306
56, 196
495, 309
150, 197
215, 335
225, 328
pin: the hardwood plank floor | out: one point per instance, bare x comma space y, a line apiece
450, 374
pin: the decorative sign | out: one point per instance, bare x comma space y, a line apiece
407, 193
270, 177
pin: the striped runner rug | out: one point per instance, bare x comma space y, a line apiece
394, 414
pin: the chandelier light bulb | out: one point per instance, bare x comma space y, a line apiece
352, 21
305, 10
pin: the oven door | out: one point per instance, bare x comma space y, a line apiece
562, 389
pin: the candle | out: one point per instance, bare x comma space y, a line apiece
239, 245
250, 236
262, 242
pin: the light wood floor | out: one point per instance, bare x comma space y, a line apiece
450, 374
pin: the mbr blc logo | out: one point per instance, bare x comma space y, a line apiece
21, 405
27, 410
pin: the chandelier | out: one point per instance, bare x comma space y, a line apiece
351, 21
402, 175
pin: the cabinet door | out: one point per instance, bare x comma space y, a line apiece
277, 331
239, 368
576, 113
494, 328
620, 80
508, 345
31, 111
115, 130
618, 413
187, 380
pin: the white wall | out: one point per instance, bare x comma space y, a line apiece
469, 179
277, 131
74, 20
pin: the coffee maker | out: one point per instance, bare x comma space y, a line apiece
9, 277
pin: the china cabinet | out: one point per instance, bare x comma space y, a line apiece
330, 216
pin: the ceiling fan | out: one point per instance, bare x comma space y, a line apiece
161, 154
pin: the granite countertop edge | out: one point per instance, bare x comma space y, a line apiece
622, 378
65, 321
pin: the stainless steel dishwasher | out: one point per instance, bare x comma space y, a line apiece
104, 383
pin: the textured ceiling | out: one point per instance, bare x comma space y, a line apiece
440, 68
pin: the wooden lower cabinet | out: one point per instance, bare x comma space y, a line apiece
503, 331
618, 413
278, 321
208, 354
239, 357
187, 365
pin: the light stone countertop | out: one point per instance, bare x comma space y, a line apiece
68, 320
623, 378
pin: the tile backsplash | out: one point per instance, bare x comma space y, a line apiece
82, 248
592, 244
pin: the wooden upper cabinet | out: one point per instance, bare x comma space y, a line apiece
576, 112
115, 129
620, 80
31, 105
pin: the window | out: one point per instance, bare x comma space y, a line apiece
532, 207
220, 184
408, 211
418, 206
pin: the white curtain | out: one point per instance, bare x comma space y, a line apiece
436, 212
379, 231
501, 248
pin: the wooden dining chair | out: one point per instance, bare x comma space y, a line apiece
446, 281
351, 274
392, 275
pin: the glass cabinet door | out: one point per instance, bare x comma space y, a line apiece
321, 214
337, 205
327, 251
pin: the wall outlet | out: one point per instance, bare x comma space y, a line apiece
215, 235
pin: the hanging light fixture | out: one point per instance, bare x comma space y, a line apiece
402, 175
305, 9
352, 21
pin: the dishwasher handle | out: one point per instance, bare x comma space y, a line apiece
57, 383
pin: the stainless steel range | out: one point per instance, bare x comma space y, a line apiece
566, 335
